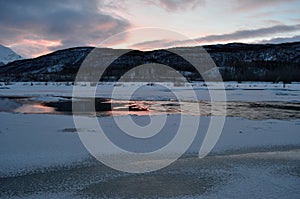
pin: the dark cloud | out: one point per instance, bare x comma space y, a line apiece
279, 40
238, 35
160, 43
177, 5
73, 22
246, 34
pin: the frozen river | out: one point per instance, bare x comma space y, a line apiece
256, 156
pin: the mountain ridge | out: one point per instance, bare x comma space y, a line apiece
7, 55
236, 61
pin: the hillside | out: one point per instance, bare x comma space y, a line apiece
236, 61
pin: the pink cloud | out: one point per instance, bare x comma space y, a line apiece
248, 5
34, 48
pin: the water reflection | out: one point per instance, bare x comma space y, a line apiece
108, 107
35, 109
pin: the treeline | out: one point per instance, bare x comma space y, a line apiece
262, 71
238, 71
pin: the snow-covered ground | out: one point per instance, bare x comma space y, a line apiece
246, 91
41, 155
37, 141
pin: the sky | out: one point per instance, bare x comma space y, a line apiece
36, 27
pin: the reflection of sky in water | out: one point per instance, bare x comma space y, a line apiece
34, 108
250, 110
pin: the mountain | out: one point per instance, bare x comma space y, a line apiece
7, 55
236, 61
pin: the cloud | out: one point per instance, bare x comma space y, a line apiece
248, 5
234, 36
71, 22
160, 43
246, 34
278, 40
176, 5
167, 5
297, 20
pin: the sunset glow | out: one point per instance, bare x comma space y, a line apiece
33, 29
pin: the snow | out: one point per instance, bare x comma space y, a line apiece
252, 164
246, 91
252, 158
55, 68
35, 141
7, 55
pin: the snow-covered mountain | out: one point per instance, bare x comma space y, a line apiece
7, 55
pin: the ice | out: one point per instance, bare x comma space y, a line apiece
41, 155
32, 141
246, 91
